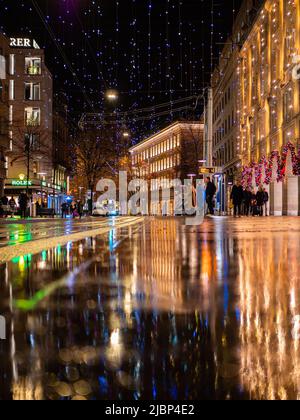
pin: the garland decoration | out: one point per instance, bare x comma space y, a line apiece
266, 164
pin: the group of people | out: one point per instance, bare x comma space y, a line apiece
74, 209
5, 204
247, 202
9, 206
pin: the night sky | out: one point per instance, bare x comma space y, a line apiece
152, 51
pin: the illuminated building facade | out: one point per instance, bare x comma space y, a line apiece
256, 100
172, 153
26, 123
4, 142
30, 112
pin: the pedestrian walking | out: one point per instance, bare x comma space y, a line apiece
237, 196
13, 205
266, 201
247, 201
80, 209
4, 200
260, 199
23, 203
64, 210
74, 211
4, 204
209, 194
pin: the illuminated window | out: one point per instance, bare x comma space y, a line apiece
33, 66
12, 64
288, 104
11, 90
32, 116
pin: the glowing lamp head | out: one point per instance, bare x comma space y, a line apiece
112, 95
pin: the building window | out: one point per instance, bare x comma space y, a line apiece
11, 90
11, 114
288, 104
32, 91
33, 65
33, 141
32, 116
274, 115
12, 64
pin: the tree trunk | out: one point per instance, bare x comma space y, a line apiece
90, 202
28, 173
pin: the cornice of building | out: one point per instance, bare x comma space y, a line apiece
180, 125
235, 43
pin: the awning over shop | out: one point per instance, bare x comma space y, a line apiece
32, 185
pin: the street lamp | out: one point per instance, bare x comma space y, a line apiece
112, 95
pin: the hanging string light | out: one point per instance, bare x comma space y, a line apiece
149, 44
117, 42
212, 32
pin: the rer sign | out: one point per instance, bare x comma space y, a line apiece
23, 43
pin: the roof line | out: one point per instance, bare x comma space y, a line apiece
161, 132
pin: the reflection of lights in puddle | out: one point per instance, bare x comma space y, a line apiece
128, 304
115, 338
42, 265
296, 328
115, 351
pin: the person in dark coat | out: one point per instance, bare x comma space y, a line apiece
4, 203
12, 204
247, 201
266, 200
80, 209
260, 199
237, 196
23, 203
4, 200
209, 194
64, 210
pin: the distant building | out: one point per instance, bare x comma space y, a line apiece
172, 153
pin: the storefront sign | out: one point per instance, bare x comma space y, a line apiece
207, 170
19, 183
24, 43
54, 187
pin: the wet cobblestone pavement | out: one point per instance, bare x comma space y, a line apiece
157, 310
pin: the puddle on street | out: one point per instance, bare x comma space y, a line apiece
161, 311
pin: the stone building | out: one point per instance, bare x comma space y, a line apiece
257, 102
172, 153
4, 109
